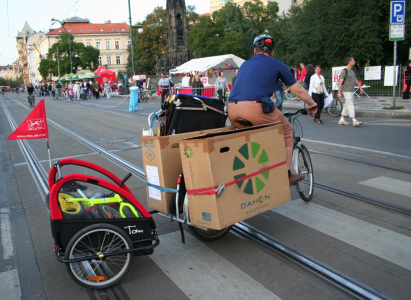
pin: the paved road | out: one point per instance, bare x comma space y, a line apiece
363, 241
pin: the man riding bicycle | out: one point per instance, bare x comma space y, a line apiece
254, 86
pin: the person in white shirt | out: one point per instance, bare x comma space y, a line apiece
318, 92
76, 90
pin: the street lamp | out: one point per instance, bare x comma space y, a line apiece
140, 30
53, 21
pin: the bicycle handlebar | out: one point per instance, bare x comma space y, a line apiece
302, 111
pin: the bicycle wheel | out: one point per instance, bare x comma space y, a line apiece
305, 187
99, 239
108, 212
208, 235
336, 108
145, 98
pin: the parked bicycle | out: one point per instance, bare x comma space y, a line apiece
142, 96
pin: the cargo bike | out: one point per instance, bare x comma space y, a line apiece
97, 223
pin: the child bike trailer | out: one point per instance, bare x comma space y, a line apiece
97, 224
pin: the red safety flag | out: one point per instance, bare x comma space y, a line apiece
34, 126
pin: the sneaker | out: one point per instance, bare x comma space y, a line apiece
355, 124
343, 123
296, 178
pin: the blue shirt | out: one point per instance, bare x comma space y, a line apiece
257, 78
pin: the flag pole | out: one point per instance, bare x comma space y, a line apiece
48, 150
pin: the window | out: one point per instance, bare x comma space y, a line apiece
107, 45
91, 29
129, 42
100, 61
109, 60
123, 29
81, 30
101, 30
112, 29
88, 44
117, 44
118, 60
224, 1
98, 45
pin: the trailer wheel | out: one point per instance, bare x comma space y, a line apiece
208, 235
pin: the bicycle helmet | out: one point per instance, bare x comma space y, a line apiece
264, 42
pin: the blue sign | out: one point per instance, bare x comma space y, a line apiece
397, 12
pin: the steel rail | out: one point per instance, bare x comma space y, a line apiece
399, 209
361, 161
336, 280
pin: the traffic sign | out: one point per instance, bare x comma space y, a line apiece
397, 32
397, 12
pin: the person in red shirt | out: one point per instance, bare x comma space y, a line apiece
303, 71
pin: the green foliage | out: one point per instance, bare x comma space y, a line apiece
12, 83
59, 54
318, 31
151, 43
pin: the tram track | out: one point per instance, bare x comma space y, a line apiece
337, 281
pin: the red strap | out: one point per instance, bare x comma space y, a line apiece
212, 189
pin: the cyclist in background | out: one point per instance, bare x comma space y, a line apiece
255, 84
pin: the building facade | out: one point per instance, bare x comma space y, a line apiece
284, 5
112, 39
11, 72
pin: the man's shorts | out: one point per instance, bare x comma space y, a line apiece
253, 112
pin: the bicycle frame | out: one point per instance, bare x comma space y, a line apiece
116, 199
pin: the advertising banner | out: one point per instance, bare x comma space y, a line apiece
336, 77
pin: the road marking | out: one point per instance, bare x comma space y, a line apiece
384, 243
203, 274
390, 185
10, 285
6, 239
356, 148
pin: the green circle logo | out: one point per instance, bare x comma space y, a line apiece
188, 152
256, 184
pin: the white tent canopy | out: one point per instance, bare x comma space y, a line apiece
206, 63
213, 62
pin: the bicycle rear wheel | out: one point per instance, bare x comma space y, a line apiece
99, 239
208, 235
336, 108
305, 187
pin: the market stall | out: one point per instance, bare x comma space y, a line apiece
208, 68
105, 75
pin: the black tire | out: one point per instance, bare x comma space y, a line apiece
108, 212
336, 109
145, 99
305, 187
208, 235
99, 239
128, 213
95, 214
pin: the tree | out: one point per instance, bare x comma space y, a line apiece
151, 43
59, 55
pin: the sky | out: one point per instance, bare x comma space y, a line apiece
14, 13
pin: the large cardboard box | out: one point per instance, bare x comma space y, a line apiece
162, 165
222, 158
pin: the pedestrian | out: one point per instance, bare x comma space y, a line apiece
303, 72
255, 85
164, 84
71, 94
407, 76
76, 90
347, 83
197, 86
96, 89
309, 72
50, 89
107, 88
221, 85
279, 94
317, 91
234, 78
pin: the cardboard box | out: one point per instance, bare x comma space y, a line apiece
162, 165
221, 158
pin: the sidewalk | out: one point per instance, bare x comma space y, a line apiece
372, 107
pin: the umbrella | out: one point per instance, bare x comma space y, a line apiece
87, 74
68, 76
